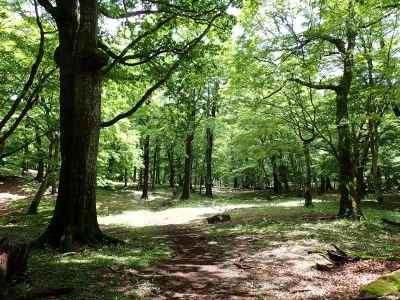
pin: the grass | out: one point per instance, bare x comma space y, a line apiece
369, 238
109, 272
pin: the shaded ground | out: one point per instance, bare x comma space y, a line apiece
267, 252
226, 267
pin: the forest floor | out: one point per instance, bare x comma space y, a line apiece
267, 251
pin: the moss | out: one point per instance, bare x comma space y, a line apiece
388, 284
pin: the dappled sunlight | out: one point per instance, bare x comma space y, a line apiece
298, 202
140, 218
7, 197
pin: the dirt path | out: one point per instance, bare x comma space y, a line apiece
225, 268
9, 191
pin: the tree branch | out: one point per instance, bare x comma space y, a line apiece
34, 69
317, 86
338, 43
164, 79
120, 57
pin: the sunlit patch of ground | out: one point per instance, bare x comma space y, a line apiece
185, 215
293, 203
286, 271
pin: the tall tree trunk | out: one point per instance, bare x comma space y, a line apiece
187, 179
322, 187
275, 174
154, 169
125, 177
48, 179
209, 149
40, 162
134, 174
171, 162
350, 205
140, 181
284, 174
307, 178
211, 110
146, 167
361, 162
349, 200
158, 167
374, 145
235, 182
79, 60
24, 166
264, 173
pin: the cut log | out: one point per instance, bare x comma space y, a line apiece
219, 219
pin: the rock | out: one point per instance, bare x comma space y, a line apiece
385, 287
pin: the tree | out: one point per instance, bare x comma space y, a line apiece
82, 66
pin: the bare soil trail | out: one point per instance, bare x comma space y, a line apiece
228, 267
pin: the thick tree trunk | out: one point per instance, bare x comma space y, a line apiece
187, 179
75, 217
307, 178
146, 167
349, 199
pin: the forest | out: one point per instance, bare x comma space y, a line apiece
199, 149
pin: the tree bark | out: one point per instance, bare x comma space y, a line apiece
171, 162
275, 174
374, 145
349, 199
307, 178
146, 167
79, 60
187, 178
154, 169
49, 177
134, 174
209, 149
125, 177
40, 162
